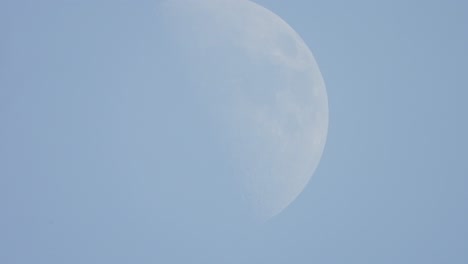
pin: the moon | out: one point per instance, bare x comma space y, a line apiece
259, 83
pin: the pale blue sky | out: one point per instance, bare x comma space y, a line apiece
391, 186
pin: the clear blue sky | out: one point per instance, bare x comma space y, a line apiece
391, 186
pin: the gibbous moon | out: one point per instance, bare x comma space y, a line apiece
260, 84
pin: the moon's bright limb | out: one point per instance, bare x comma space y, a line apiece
264, 88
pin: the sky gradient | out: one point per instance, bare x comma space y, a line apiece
391, 186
